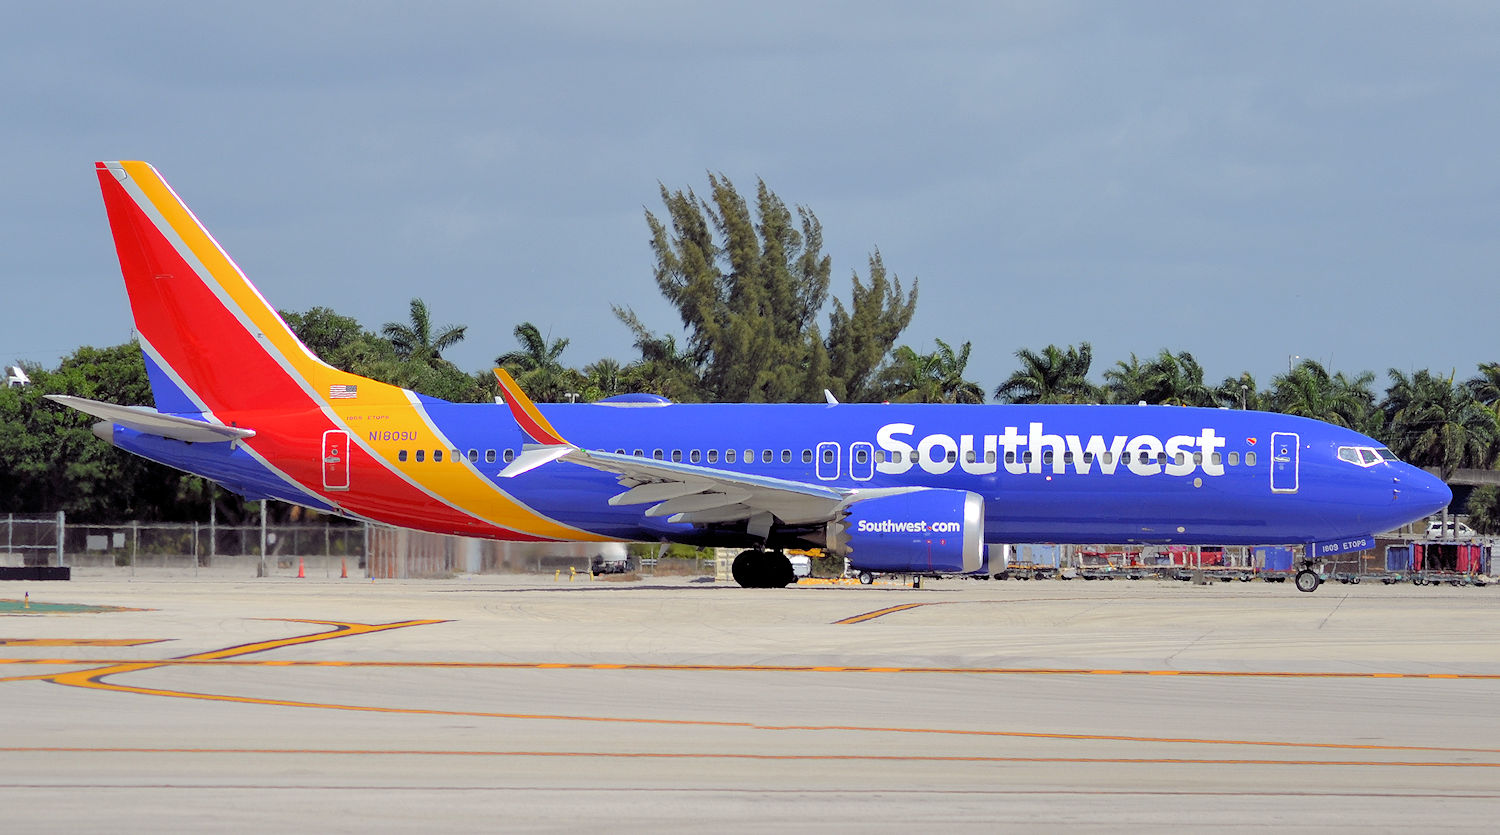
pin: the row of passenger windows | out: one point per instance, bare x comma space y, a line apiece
508, 455
862, 456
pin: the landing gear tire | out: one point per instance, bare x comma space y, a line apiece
866, 578
762, 570
1308, 580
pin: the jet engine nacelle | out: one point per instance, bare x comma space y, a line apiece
922, 531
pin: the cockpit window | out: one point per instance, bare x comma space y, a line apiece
1364, 456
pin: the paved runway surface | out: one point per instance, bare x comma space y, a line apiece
520, 703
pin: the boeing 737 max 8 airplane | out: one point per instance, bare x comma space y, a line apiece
913, 489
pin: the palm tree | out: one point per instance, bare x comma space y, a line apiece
1177, 380
538, 367
415, 341
1432, 422
1310, 391
1239, 393
1126, 382
937, 377
1053, 376
1486, 387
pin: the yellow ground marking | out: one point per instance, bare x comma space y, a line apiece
93, 679
697, 755
883, 612
192, 661
77, 642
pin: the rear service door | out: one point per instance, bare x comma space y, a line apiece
335, 460
1284, 460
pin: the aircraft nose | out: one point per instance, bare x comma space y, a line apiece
1422, 492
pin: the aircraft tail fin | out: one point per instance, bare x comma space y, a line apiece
212, 342
537, 428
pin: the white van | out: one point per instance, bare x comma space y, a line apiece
1454, 530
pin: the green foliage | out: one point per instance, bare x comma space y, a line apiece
1053, 376
1310, 391
50, 460
1167, 379
537, 367
749, 289
1484, 510
1432, 422
937, 377
412, 359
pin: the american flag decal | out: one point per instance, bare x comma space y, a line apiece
343, 392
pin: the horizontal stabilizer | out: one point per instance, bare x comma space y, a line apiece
152, 422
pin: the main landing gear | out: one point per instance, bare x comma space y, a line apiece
763, 570
1309, 578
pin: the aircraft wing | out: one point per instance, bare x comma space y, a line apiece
152, 422
680, 492
703, 495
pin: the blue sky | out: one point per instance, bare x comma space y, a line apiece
1245, 181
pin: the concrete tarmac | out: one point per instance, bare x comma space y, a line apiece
520, 703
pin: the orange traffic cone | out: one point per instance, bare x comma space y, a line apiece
301, 569
343, 569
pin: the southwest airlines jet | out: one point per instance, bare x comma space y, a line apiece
908, 489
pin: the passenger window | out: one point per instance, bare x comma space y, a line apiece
713, 456
401, 455
1234, 459
828, 455
1026, 459
1067, 457
1088, 457
1108, 458
474, 456
489, 456
969, 456
677, 455
640, 453
437, 456
619, 452
861, 456
729, 456
421, 455
750, 456
767, 456
695, 456
657, 454
807, 456
952, 456
1125, 458
509, 456
457, 456
880, 456
1250, 458
1010, 456
786, 456
989, 456
1218, 458
1047, 457
1197, 458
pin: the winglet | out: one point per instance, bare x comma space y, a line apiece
527, 416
